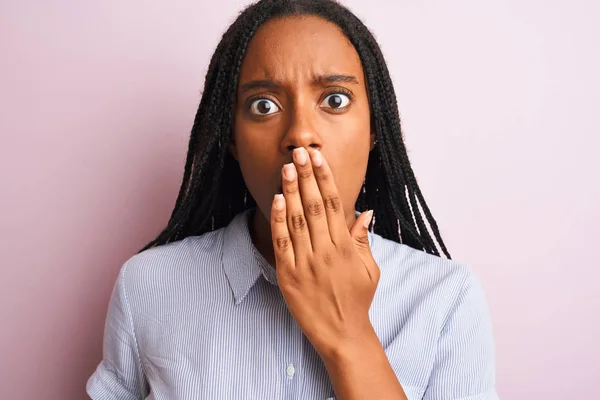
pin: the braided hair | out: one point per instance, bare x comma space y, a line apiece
213, 189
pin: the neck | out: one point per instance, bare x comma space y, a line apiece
260, 232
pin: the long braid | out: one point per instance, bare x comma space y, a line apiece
213, 190
384, 120
384, 86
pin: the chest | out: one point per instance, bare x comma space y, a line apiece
254, 350
199, 349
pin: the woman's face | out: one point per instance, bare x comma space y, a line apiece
301, 84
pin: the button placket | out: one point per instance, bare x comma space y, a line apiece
290, 371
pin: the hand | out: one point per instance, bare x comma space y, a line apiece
326, 272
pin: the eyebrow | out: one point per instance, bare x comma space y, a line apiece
335, 78
321, 80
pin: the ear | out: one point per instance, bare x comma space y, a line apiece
233, 149
373, 141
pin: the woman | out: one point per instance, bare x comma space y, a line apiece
266, 282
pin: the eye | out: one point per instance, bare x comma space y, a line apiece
263, 107
336, 100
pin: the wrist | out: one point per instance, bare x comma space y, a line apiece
351, 348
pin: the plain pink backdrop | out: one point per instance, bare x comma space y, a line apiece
499, 102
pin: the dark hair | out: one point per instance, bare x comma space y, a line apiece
213, 190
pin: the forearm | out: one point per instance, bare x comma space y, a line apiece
361, 370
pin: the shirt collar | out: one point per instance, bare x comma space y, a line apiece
242, 262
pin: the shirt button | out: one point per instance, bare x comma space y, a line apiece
290, 370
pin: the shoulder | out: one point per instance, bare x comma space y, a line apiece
166, 268
403, 264
422, 281
431, 316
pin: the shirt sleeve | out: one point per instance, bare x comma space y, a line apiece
119, 375
465, 367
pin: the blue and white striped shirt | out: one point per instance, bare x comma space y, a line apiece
203, 318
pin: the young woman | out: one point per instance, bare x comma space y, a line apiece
297, 263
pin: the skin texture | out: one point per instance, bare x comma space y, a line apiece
318, 129
293, 53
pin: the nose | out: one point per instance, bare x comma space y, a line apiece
301, 130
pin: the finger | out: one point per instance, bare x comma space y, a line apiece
296, 221
336, 219
360, 231
360, 237
312, 201
282, 244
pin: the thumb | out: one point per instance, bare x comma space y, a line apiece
360, 238
360, 232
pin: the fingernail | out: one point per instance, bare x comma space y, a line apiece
301, 156
317, 158
289, 172
368, 218
279, 202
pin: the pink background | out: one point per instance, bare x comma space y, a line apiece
500, 105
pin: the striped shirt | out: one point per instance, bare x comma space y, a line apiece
203, 318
